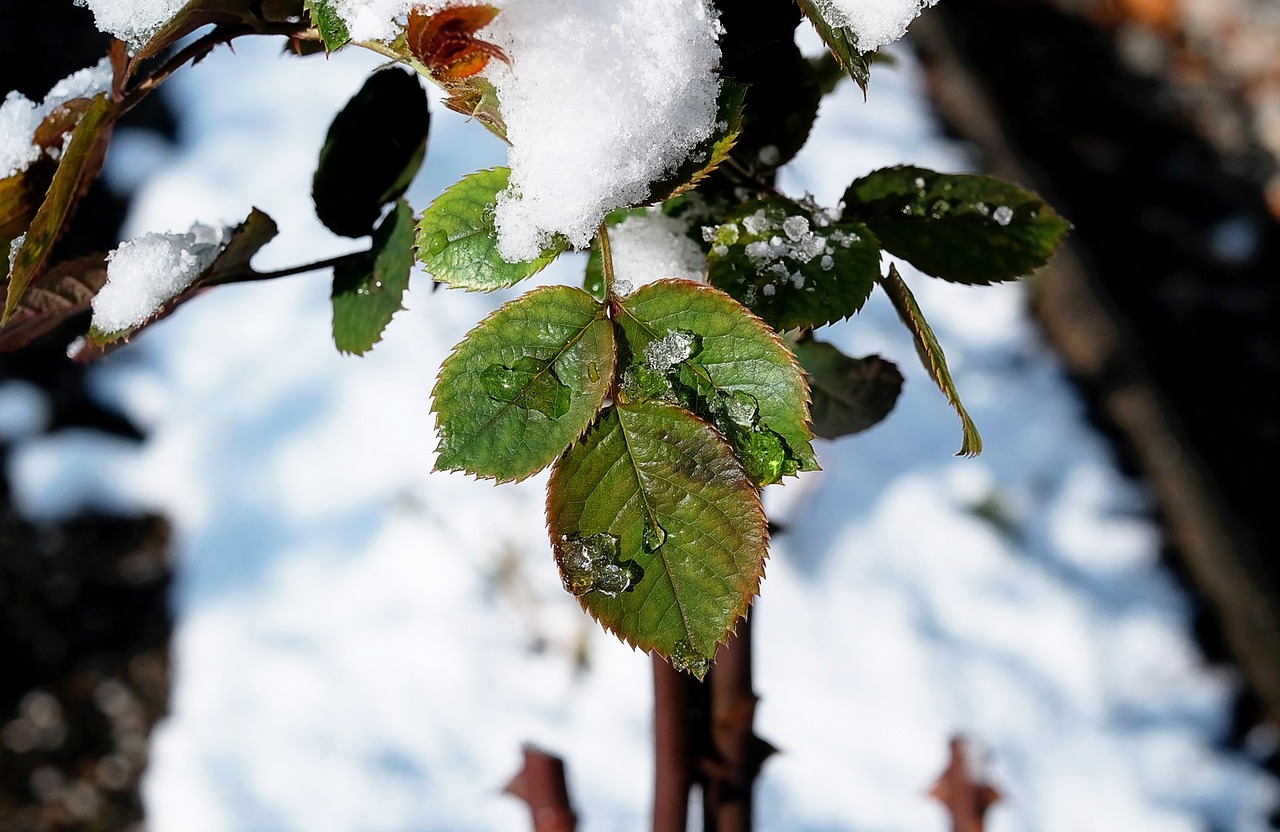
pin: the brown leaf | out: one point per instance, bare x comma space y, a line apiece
966, 799
63, 291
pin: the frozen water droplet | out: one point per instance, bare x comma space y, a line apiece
1003, 215
919, 183
982, 208
689, 660
668, 351
437, 243
592, 564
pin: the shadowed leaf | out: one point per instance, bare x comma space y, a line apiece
665, 491
931, 355
457, 241
964, 228
849, 394
367, 292
372, 152
499, 402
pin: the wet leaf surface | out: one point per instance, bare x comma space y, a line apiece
654, 465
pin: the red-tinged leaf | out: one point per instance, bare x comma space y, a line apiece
658, 530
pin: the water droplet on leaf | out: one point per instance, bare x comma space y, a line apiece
437, 242
528, 383
688, 660
654, 535
593, 563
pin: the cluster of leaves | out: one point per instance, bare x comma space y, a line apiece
661, 412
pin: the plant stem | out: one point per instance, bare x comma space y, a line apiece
735, 752
672, 746
196, 50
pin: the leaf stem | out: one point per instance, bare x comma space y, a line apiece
606, 257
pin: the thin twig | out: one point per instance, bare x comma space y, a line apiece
251, 276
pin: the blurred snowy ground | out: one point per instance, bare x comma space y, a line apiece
363, 645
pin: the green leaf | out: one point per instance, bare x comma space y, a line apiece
964, 228
245, 240
793, 267
843, 43
55, 296
457, 241
333, 29
849, 394
931, 355
658, 530
499, 398
77, 169
367, 292
374, 148
690, 343
712, 152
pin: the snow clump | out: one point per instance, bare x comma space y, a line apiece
874, 22
650, 246
132, 21
20, 117
600, 100
145, 273
373, 19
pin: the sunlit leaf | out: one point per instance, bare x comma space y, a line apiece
964, 228
367, 292
849, 394
457, 241
791, 266
931, 355
690, 343
499, 401
372, 152
843, 43
658, 530
333, 29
